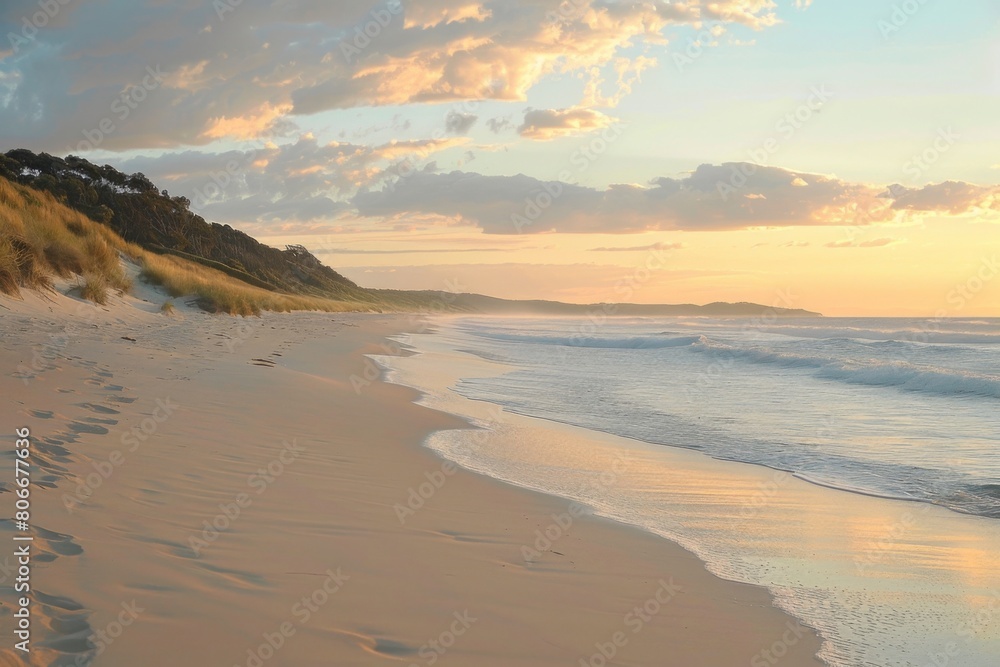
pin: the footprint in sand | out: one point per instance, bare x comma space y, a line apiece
100, 420
68, 621
53, 447
93, 429
48, 461
52, 544
387, 648
233, 579
100, 409
58, 602
390, 648
473, 539
49, 545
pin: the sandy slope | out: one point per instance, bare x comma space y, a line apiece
254, 425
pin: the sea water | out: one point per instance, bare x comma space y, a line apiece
852, 466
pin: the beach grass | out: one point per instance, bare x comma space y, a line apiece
218, 292
41, 239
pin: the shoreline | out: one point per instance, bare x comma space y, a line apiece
396, 588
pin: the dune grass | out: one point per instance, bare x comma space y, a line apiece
40, 238
217, 292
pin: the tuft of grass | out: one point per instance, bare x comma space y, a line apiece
94, 288
10, 267
19, 267
168, 308
65, 260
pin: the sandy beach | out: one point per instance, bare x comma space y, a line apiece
218, 491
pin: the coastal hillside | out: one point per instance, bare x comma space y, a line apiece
70, 217
478, 303
132, 206
44, 244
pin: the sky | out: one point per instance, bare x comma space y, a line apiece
842, 157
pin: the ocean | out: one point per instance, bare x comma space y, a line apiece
851, 466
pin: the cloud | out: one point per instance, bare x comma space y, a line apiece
950, 196
640, 248
444, 12
258, 122
706, 199
875, 243
233, 70
301, 181
459, 123
304, 183
414, 251
501, 124
547, 124
795, 244
515, 204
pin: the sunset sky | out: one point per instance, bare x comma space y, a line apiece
841, 156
